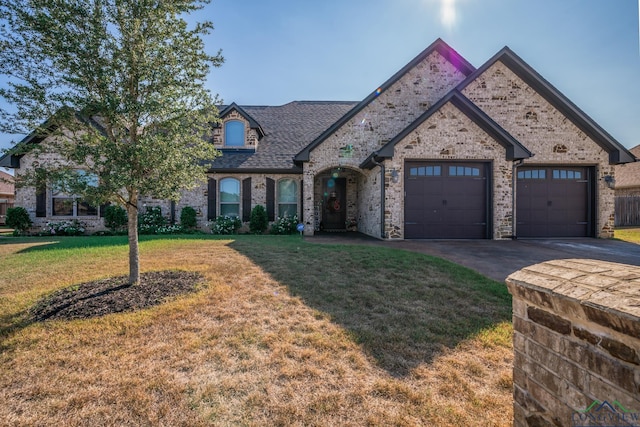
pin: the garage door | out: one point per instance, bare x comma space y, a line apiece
553, 202
446, 200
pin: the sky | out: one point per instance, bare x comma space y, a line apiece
278, 51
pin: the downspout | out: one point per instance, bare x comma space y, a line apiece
514, 176
382, 194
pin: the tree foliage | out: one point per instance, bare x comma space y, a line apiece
123, 82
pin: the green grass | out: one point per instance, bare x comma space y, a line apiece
629, 234
403, 307
285, 332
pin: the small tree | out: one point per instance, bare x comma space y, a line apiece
18, 219
120, 84
258, 222
188, 218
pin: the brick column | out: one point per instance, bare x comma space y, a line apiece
576, 342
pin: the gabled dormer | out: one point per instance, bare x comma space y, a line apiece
236, 130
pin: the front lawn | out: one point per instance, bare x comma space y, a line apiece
284, 332
629, 234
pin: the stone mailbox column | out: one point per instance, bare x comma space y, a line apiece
577, 344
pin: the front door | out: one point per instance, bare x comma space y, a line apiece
334, 204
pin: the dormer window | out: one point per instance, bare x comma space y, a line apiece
234, 135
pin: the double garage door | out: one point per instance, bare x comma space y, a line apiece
451, 200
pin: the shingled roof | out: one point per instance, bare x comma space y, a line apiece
628, 176
6, 185
288, 129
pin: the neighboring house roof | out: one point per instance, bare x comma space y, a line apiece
7, 187
514, 150
617, 152
444, 49
287, 130
628, 176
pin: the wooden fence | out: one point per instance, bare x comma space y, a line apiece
627, 210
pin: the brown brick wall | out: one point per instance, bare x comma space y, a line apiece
576, 339
549, 135
387, 115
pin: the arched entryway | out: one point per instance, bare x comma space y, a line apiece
336, 204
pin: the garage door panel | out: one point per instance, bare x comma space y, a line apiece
451, 205
553, 202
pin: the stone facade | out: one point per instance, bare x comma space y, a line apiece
546, 132
576, 342
376, 124
450, 135
251, 135
26, 196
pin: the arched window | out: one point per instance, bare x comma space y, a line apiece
234, 133
229, 197
287, 198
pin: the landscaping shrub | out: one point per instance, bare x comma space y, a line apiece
258, 222
225, 225
285, 225
115, 218
152, 222
64, 228
18, 219
188, 218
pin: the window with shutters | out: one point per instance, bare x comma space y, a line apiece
230, 197
287, 198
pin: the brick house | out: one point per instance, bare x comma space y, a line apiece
7, 195
440, 150
627, 185
627, 179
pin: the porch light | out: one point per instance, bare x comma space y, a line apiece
395, 176
610, 181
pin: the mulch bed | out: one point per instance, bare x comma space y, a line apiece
115, 295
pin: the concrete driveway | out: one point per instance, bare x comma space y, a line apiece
499, 258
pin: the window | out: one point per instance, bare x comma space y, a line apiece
532, 174
566, 174
426, 171
69, 204
463, 171
230, 197
234, 133
287, 198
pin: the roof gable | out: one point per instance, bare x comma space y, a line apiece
514, 150
617, 153
288, 128
253, 124
12, 158
439, 46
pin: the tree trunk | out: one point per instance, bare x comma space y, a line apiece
134, 261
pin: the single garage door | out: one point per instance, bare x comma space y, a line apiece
446, 200
554, 202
